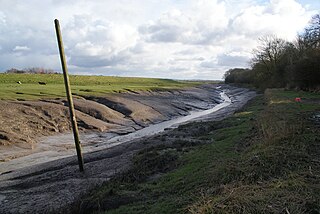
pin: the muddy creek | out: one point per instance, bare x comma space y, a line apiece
62, 145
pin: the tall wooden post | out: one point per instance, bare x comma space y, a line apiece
69, 95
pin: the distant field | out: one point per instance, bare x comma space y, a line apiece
80, 85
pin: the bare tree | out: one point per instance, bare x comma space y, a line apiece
269, 52
34, 70
278, 63
312, 32
39, 70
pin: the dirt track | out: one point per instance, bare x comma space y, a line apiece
54, 186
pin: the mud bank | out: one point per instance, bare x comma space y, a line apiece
23, 124
54, 186
60, 146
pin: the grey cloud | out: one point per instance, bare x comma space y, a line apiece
161, 33
17, 37
190, 37
185, 52
94, 43
95, 61
208, 64
189, 59
228, 60
172, 33
183, 29
20, 61
138, 48
200, 58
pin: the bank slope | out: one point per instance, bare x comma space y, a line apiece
264, 159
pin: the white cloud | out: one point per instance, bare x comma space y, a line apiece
172, 39
96, 42
21, 48
281, 17
206, 21
172, 26
2, 19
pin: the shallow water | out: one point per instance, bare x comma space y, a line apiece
59, 146
160, 127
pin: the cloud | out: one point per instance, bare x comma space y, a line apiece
21, 48
96, 42
96, 61
26, 61
2, 19
209, 64
172, 39
281, 17
173, 26
206, 21
233, 60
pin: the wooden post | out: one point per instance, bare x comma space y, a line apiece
69, 95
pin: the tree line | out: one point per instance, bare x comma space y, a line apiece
277, 63
34, 70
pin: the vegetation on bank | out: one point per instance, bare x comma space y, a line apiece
263, 159
30, 89
278, 63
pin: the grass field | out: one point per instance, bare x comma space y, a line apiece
80, 85
264, 159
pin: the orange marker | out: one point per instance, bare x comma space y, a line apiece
297, 99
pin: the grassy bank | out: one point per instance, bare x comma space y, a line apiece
30, 89
264, 159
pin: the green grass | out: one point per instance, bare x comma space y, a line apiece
80, 85
264, 159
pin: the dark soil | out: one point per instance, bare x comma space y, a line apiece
56, 186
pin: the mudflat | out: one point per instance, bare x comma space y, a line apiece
54, 186
23, 123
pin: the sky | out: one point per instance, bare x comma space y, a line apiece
176, 39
